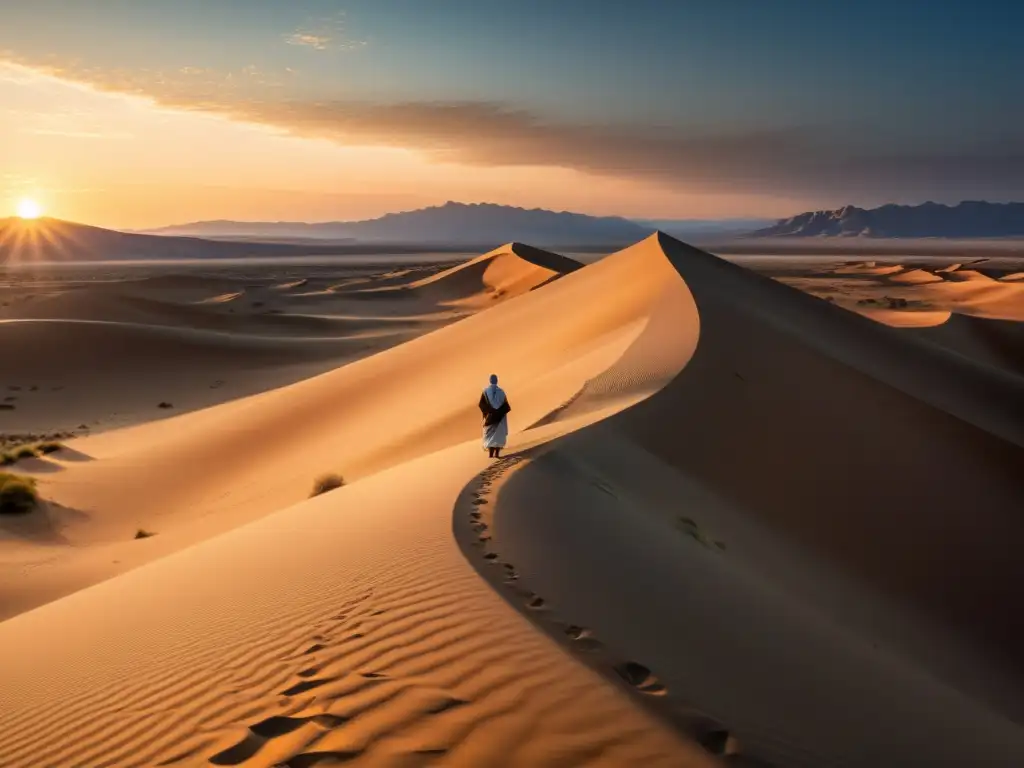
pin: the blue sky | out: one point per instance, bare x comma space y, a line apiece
833, 101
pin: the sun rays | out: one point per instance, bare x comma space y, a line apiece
25, 239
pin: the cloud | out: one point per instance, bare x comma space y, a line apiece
330, 33
319, 42
808, 162
795, 161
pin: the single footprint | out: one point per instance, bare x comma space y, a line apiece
708, 732
582, 638
640, 677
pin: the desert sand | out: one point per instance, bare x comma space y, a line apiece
736, 523
975, 310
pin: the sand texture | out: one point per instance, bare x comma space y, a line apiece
736, 524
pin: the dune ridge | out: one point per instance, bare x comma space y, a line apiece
504, 273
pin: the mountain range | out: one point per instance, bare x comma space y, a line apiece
478, 225
969, 219
463, 227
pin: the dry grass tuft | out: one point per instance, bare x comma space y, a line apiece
326, 483
18, 495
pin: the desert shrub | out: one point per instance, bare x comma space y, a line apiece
25, 452
28, 451
18, 494
326, 483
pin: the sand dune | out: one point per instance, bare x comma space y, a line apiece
192, 340
749, 524
766, 477
64, 378
868, 268
222, 455
977, 295
479, 678
915, 277
501, 274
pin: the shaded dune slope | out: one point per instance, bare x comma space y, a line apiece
855, 612
862, 446
998, 343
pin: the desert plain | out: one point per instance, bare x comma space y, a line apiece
753, 512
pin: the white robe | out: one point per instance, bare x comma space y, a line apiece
496, 435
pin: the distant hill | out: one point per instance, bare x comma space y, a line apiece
480, 224
23, 241
965, 220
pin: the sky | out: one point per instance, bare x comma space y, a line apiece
141, 113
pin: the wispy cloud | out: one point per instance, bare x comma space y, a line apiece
330, 33
308, 39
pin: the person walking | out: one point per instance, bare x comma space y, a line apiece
494, 407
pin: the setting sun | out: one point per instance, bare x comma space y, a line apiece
29, 209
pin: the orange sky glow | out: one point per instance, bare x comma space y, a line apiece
124, 161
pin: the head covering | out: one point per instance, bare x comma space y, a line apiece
495, 394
